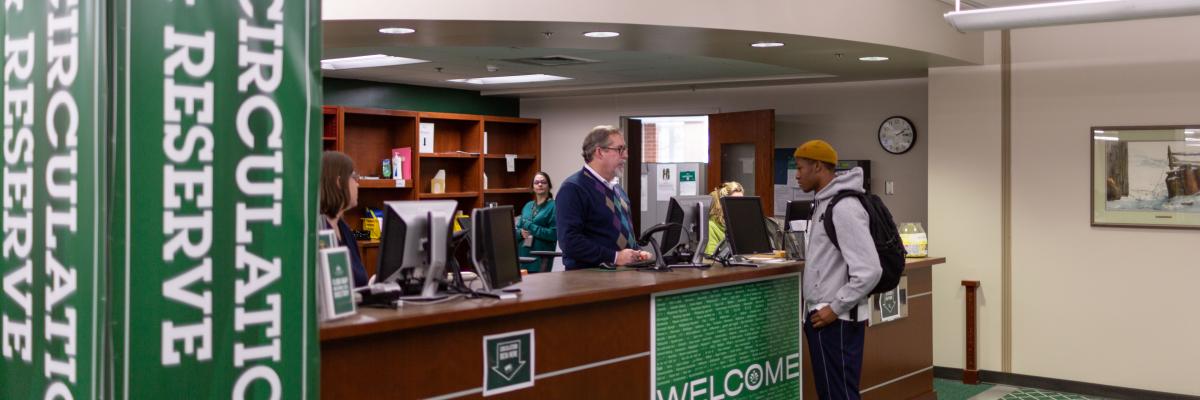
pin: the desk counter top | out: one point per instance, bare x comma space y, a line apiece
558, 289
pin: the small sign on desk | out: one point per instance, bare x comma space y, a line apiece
335, 283
508, 362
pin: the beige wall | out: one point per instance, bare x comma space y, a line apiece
845, 114
1113, 306
964, 208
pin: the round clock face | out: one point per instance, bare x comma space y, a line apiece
897, 135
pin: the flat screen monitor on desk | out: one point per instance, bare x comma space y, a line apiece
494, 247
797, 210
682, 211
745, 229
412, 246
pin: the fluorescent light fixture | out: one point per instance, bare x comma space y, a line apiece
873, 58
1066, 13
397, 31
1098, 131
500, 80
1191, 139
763, 45
1109, 138
1189, 132
601, 34
374, 60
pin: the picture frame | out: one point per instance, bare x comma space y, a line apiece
1145, 176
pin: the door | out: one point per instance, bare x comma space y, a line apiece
740, 142
632, 181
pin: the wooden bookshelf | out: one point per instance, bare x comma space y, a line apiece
331, 133
383, 184
523, 190
521, 137
368, 136
448, 195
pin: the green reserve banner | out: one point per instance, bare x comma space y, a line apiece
214, 199
52, 262
727, 342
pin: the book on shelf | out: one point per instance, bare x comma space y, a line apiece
403, 168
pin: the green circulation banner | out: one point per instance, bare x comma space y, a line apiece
740, 341
214, 199
52, 257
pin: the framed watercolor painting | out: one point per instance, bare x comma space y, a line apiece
1146, 176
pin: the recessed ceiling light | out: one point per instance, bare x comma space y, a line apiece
1098, 131
500, 80
1109, 138
766, 44
601, 34
396, 31
873, 58
374, 60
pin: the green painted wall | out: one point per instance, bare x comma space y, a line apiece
349, 92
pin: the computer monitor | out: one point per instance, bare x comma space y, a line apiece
413, 241
494, 247
797, 210
745, 228
681, 211
700, 209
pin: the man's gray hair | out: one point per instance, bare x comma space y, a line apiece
597, 138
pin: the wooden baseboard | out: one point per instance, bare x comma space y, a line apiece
1062, 385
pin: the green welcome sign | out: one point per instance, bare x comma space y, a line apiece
214, 178
738, 341
52, 258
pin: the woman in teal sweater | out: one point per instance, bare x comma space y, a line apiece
537, 229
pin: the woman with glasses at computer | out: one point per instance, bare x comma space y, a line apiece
537, 228
339, 193
716, 217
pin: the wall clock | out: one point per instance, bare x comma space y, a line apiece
897, 135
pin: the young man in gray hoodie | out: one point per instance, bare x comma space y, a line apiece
837, 283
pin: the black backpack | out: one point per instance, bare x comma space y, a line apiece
883, 231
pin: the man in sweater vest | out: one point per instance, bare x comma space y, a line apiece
593, 212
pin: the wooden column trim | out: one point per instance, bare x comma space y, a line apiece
971, 372
1006, 201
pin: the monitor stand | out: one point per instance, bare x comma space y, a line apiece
438, 232
738, 261
497, 294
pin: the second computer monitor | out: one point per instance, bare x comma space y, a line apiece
413, 242
494, 247
745, 226
682, 211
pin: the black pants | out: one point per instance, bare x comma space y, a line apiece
836, 352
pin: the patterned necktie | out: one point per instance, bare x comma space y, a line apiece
618, 205
622, 213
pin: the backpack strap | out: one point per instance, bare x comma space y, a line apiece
830, 229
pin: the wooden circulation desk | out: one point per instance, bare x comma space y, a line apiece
593, 339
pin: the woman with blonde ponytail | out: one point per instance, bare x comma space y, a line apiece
716, 217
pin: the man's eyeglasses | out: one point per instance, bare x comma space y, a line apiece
619, 149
